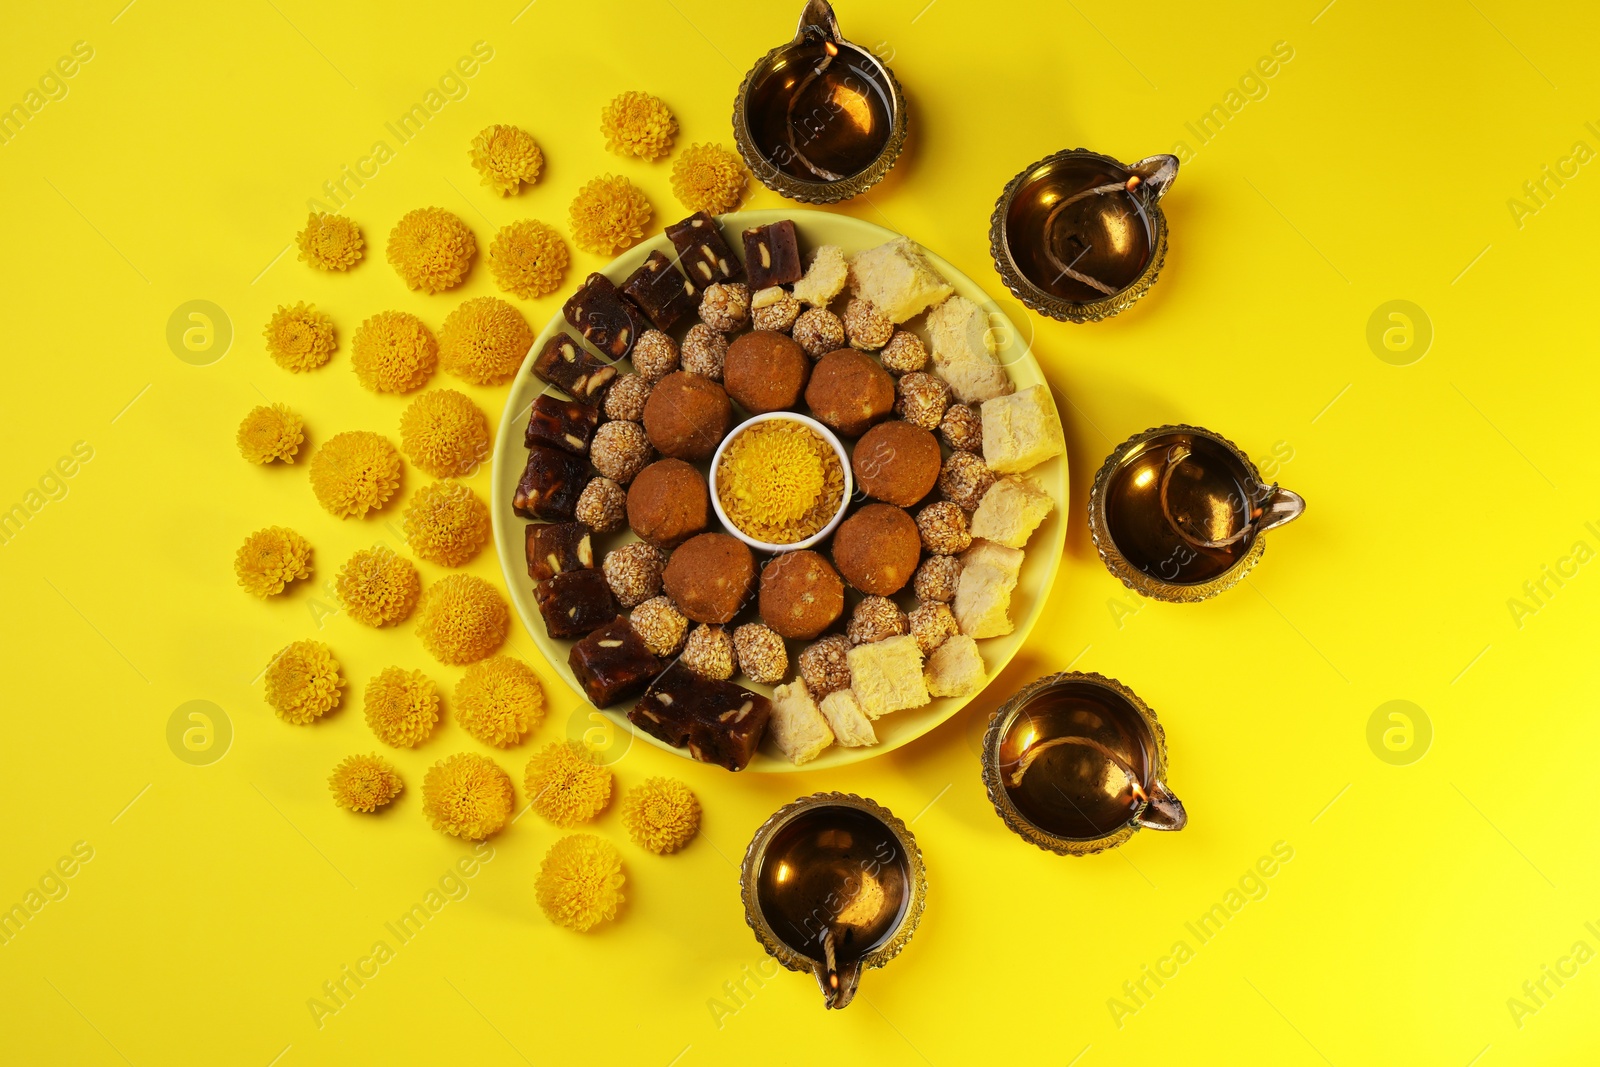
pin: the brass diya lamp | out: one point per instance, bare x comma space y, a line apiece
1076, 763
1177, 513
1079, 236
833, 884
819, 119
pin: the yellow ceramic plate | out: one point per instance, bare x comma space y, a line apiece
1038, 569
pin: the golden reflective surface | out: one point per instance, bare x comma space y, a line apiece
820, 115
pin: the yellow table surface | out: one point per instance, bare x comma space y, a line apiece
1425, 904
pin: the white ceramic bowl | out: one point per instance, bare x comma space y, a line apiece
815, 427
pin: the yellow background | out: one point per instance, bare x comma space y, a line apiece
1378, 166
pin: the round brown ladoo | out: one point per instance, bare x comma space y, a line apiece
801, 595
668, 503
687, 416
710, 576
896, 462
877, 549
765, 371
849, 392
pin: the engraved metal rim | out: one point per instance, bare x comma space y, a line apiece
917, 883
1054, 306
1015, 821
1139, 581
768, 174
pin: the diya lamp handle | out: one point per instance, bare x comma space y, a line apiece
1162, 810
1154, 175
837, 981
818, 18
1281, 506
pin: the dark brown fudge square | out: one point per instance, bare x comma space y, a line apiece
660, 291
613, 664
551, 484
557, 547
575, 603
703, 254
772, 255
721, 722
566, 364
600, 314
565, 424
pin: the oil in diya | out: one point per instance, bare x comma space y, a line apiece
1079, 236
1076, 763
819, 119
1177, 513
833, 884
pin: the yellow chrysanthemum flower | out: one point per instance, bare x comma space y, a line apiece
462, 619
444, 433
565, 784
330, 242
580, 882
431, 249
607, 214
364, 783
708, 177
661, 815
270, 433
467, 795
528, 258
270, 559
401, 707
303, 682
394, 352
377, 586
506, 156
499, 701
300, 337
446, 523
484, 340
355, 472
638, 124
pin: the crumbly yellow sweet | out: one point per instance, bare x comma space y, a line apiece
847, 719
528, 258
446, 523
303, 682
499, 701
355, 472
270, 559
566, 785
607, 214
445, 434
1010, 511
270, 432
484, 340
955, 669
797, 727
507, 157
580, 882
1021, 431
401, 707
394, 352
299, 338
431, 249
887, 675
330, 242
462, 619
377, 586
467, 795
982, 602
779, 482
364, 783
963, 351
898, 278
661, 814
638, 124
708, 177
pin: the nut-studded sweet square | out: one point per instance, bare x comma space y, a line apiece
660, 291
603, 317
703, 254
566, 364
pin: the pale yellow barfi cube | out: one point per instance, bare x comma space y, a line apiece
962, 345
898, 279
1010, 511
982, 605
955, 669
1021, 431
797, 727
851, 727
887, 675
824, 279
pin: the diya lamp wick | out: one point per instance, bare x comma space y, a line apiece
816, 72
